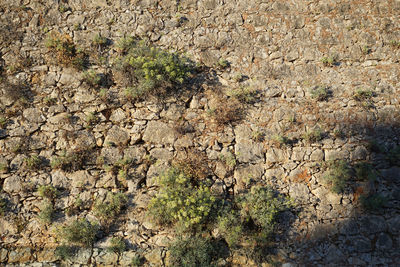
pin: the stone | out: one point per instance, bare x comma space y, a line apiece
135, 153
111, 154
384, 242
159, 133
12, 184
82, 179
82, 256
19, 255
394, 224
118, 115
334, 254
336, 154
161, 154
107, 258
117, 136
372, 224
47, 255
299, 191
3, 254
317, 155
7, 228
275, 155
247, 151
359, 153
154, 257
326, 196
33, 115
392, 174
244, 175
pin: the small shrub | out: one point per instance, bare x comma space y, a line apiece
364, 96
191, 252
33, 162
99, 41
261, 206
180, 201
111, 207
125, 44
117, 245
223, 63
47, 191
313, 136
71, 161
3, 167
329, 61
194, 165
65, 252
75, 207
395, 44
229, 159
280, 140
227, 111
79, 231
63, 8
91, 119
257, 136
46, 213
92, 78
66, 51
245, 94
337, 176
147, 70
365, 171
3, 206
138, 260
320, 93
230, 225
373, 202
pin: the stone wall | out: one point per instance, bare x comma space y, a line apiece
274, 47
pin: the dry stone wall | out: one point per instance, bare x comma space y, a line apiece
279, 49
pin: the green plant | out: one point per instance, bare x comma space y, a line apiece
328, 61
193, 251
47, 191
125, 44
99, 41
280, 140
117, 245
138, 260
365, 171
231, 227
366, 50
245, 94
79, 231
257, 136
46, 213
229, 159
223, 63
66, 51
63, 8
92, 78
337, 176
180, 201
373, 202
3, 167
3, 121
261, 206
314, 135
3, 206
33, 162
71, 161
148, 69
395, 44
320, 93
111, 207
91, 119
64, 252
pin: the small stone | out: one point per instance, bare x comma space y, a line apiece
12, 184
33, 115
384, 242
159, 133
117, 115
117, 136
299, 191
154, 257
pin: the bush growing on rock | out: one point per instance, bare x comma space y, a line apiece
46, 213
47, 191
80, 231
146, 69
337, 176
111, 207
181, 201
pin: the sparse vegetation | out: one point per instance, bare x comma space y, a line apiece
111, 207
337, 176
180, 201
193, 251
320, 93
80, 231
92, 78
329, 61
147, 69
99, 41
395, 44
373, 202
314, 135
223, 63
3, 206
47, 191
117, 245
365, 171
33, 162
46, 213
280, 140
66, 51
138, 260
65, 252
229, 159
71, 161
393, 156
245, 94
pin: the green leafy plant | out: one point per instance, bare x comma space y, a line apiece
314, 135
329, 61
33, 162
79, 231
65, 252
223, 63
92, 78
71, 161
99, 41
230, 225
373, 202
364, 97
147, 69
47, 191
337, 175
111, 207
280, 140
245, 94
117, 245
46, 213
193, 251
138, 260
365, 171
229, 159
180, 201
320, 93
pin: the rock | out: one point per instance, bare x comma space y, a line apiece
12, 184
392, 174
7, 228
394, 224
154, 257
33, 115
19, 255
244, 175
247, 151
117, 136
360, 244
384, 242
82, 256
111, 154
136, 153
326, 196
117, 115
58, 179
126, 258
154, 172
372, 224
359, 153
334, 254
3, 254
275, 155
299, 191
82, 179
46, 255
317, 155
161, 154
107, 258
159, 133
336, 154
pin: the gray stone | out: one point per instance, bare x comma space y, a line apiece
244, 175
33, 115
299, 192
336, 154
117, 115
154, 257
82, 179
247, 151
360, 244
117, 136
82, 256
326, 196
317, 155
392, 174
275, 155
161, 154
159, 133
372, 224
384, 242
111, 154
12, 184
135, 153
394, 224
334, 255
107, 258
59, 179
19, 255
359, 153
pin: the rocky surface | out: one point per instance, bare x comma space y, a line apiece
274, 47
